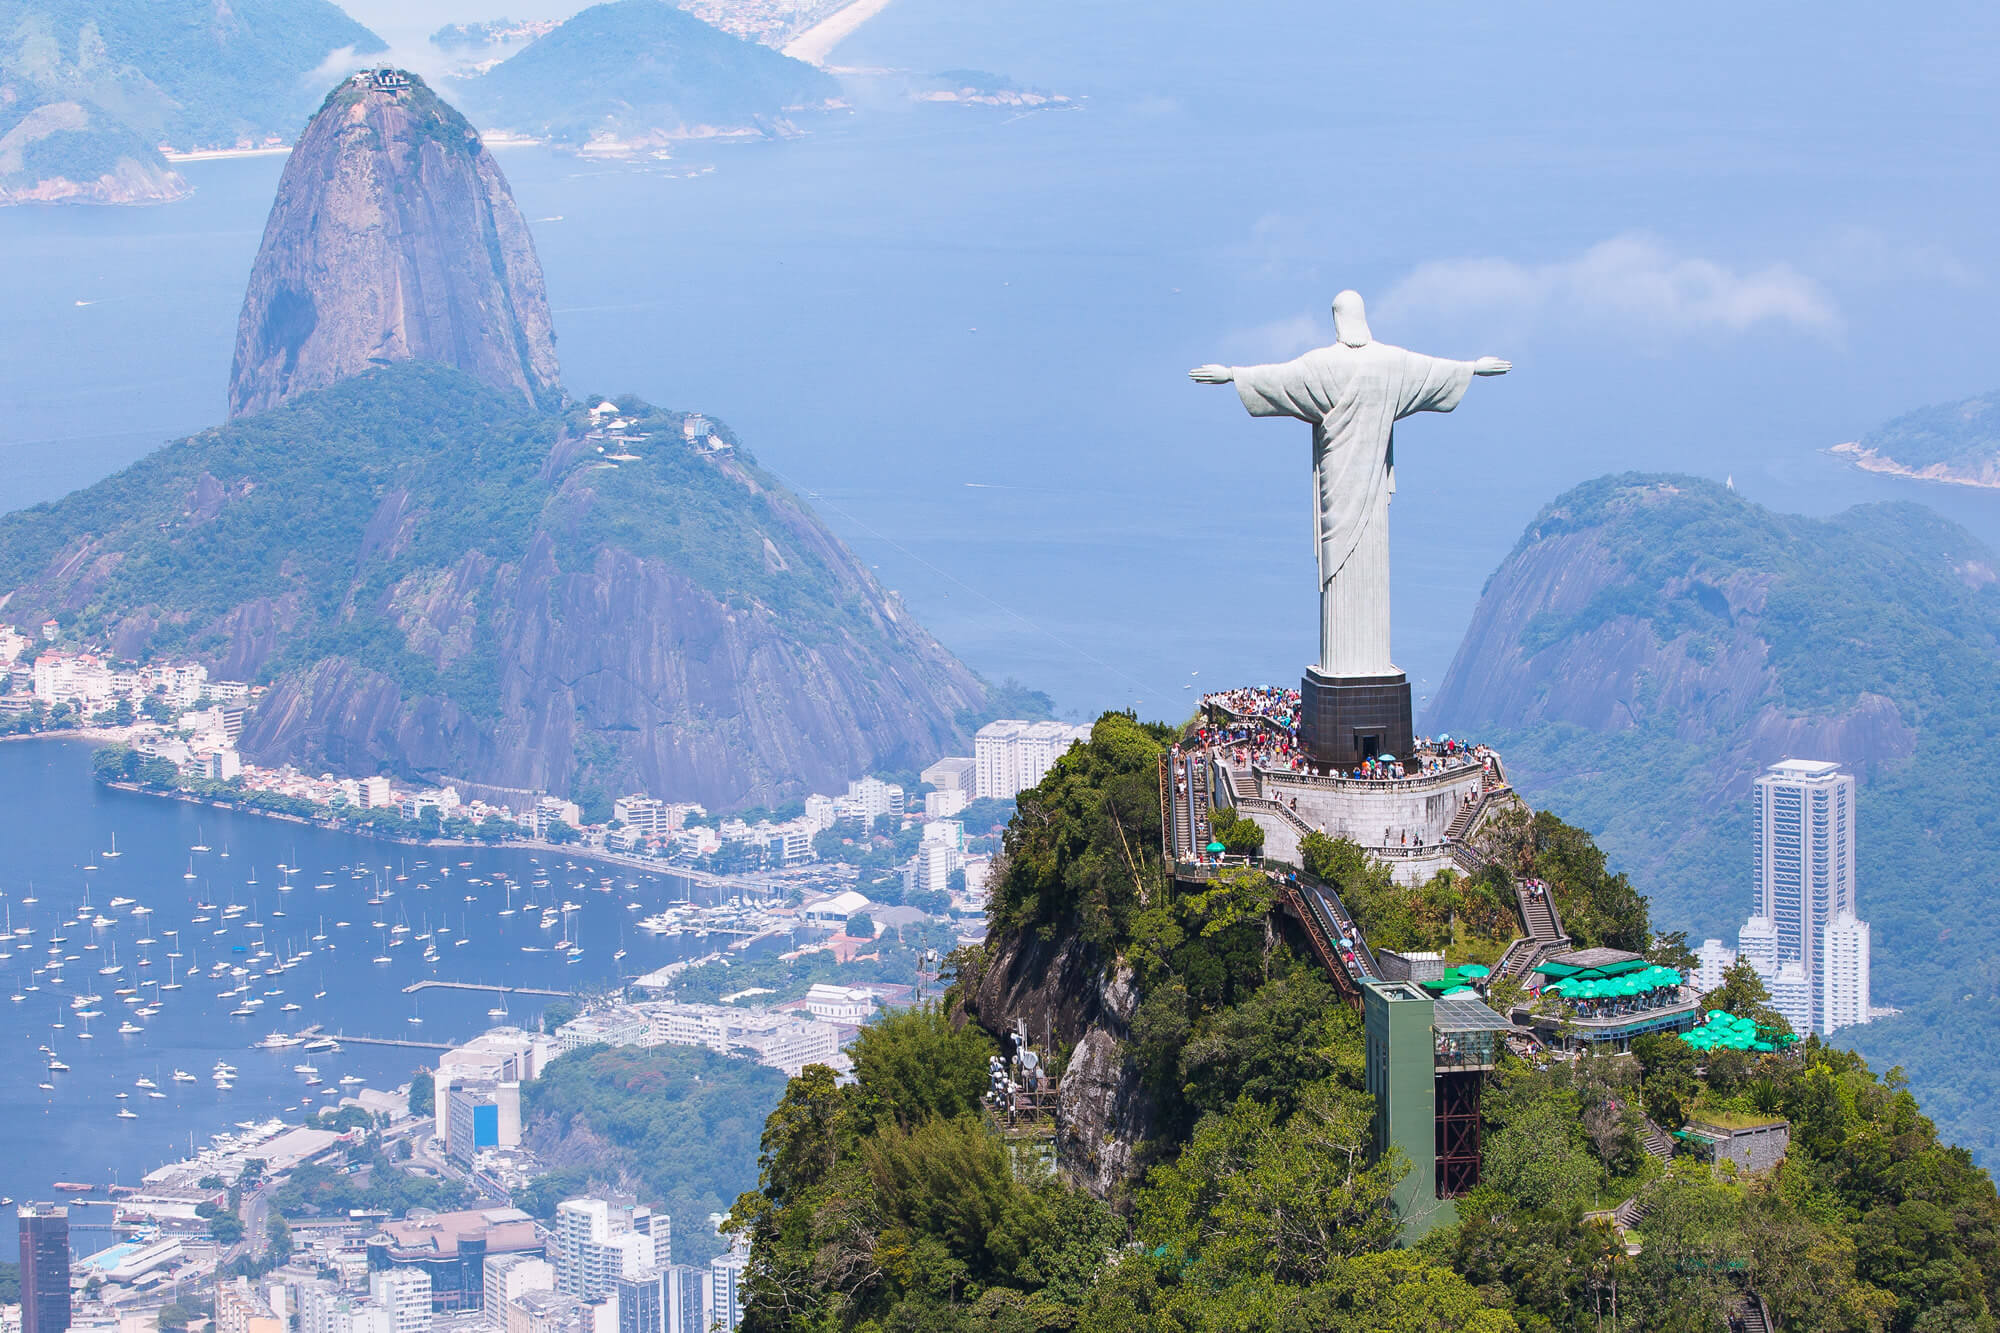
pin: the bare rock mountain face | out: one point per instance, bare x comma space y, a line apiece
394, 238
439, 583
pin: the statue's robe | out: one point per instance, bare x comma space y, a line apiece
1353, 397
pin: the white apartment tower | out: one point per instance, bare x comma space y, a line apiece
1844, 972
406, 1294
725, 1290
1804, 821
599, 1242
1011, 756
1712, 959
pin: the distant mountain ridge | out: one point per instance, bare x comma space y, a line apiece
1653, 641
641, 73
1951, 442
89, 91
394, 237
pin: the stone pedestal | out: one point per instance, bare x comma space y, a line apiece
1344, 720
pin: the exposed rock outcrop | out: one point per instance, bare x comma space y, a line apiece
394, 237
1062, 995
1578, 628
439, 585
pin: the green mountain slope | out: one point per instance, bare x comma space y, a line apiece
440, 583
1652, 642
1945, 441
641, 71
190, 73
1244, 1192
90, 89
58, 150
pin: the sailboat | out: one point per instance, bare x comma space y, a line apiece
114, 852
199, 845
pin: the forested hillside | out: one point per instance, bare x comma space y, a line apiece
89, 90
436, 580
675, 1126
1653, 642
1254, 1202
642, 72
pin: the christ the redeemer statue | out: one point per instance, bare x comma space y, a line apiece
1353, 394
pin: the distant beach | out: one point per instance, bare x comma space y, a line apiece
219, 154
816, 43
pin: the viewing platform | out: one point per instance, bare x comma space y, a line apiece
1602, 999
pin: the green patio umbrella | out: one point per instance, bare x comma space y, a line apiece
1216, 849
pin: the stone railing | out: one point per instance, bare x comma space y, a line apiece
1416, 782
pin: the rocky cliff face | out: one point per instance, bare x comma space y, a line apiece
1593, 624
394, 237
1060, 993
436, 584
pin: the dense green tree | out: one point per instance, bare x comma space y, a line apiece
1667, 1085
914, 1065
1083, 850
1290, 1034
277, 1240
1536, 1151
1250, 1193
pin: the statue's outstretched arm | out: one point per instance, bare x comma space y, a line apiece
1211, 374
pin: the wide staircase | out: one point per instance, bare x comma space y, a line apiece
1197, 781
1545, 933
1632, 1212
1538, 911
1657, 1143
1749, 1314
1468, 815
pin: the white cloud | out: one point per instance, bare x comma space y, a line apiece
339, 63
1632, 280
1854, 254
1280, 340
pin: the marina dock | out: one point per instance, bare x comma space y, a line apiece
416, 986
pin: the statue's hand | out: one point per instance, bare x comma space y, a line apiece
1491, 365
1211, 374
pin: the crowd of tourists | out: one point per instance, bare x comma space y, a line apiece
1270, 702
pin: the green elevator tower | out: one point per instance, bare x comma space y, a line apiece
1397, 1017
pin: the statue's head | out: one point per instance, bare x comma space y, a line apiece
1350, 320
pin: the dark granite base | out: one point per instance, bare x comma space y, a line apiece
1346, 720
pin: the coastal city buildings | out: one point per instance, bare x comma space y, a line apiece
1010, 756
1803, 935
489, 1070
599, 1242
507, 1278
324, 1308
786, 1040
44, 1268
450, 1251
405, 1292
243, 1308
725, 1287
1712, 959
